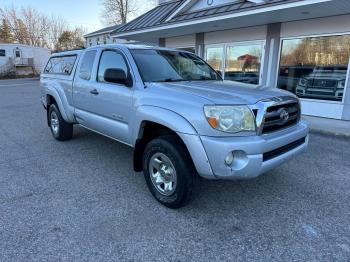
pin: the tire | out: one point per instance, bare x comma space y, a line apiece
60, 129
168, 171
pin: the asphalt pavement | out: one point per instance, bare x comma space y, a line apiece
80, 201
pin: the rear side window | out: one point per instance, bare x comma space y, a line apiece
87, 64
111, 59
2, 52
62, 65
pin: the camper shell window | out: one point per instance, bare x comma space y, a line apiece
62, 65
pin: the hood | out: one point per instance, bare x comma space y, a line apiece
224, 92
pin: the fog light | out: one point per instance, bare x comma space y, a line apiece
229, 159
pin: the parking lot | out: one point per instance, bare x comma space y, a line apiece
80, 200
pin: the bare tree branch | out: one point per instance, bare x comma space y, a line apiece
122, 11
28, 26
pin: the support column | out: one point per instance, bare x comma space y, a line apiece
199, 42
346, 109
271, 59
161, 42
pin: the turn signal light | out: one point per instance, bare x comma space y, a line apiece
213, 122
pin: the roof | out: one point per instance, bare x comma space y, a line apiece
228, 8
160, 14
105, 30
152, 18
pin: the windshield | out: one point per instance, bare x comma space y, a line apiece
171, 66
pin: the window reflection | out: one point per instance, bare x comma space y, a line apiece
188, 49
243, 63
214, 58
315, 67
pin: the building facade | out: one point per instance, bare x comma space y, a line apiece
302, 46
103, 36
22, 59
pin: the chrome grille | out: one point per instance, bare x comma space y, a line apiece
280, 116
323, 83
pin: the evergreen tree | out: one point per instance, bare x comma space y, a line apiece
5, 32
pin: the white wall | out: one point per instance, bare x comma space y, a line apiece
236, 35
327, 25
181, 41
39, 55
110, 40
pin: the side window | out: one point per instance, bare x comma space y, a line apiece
111, 59
2, 52
60, 65
87, 64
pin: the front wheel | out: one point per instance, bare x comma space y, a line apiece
60, 129
168, 171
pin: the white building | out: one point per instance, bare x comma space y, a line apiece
102, 36
22, 59
299, 45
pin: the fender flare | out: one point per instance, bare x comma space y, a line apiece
161, 116
68, 117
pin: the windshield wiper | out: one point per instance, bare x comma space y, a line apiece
172, 80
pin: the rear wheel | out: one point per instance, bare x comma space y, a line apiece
168, 171
60, 129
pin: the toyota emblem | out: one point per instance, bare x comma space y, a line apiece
284, 115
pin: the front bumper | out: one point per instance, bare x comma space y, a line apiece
251, 152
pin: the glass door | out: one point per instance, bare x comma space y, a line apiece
239, 62
243, 63
215, 57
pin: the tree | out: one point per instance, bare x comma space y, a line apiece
69, 40
121, 11
57, 26
28, 26
117, 11
5, 32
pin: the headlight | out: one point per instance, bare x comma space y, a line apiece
231, 119
303, 82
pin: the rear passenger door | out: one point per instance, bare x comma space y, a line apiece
108, 108
83, 84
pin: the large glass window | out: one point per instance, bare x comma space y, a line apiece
315, 67
243, 63
61, 65
214, 56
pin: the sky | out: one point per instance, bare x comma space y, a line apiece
85, 13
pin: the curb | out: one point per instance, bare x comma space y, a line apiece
329, 133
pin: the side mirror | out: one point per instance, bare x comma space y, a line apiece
117, 76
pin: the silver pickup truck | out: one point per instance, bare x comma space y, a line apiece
177, 113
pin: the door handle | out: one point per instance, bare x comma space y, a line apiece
94, 92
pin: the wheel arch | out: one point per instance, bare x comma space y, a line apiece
148, 131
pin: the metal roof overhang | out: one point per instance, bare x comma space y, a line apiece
281, 13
